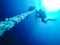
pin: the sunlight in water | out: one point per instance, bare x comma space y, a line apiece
51, 5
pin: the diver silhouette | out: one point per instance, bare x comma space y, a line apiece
41, 14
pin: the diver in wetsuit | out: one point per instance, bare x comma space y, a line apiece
40, 14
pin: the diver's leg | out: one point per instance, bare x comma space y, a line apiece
43, 20
51, 19
46, 20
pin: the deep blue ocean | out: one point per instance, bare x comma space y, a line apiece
28, 32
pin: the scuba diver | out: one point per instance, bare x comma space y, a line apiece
40, 14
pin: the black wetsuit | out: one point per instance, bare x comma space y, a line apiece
42, 15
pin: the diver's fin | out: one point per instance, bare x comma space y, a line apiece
31, 8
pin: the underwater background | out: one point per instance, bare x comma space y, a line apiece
28, 32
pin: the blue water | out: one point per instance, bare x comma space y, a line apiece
28, 32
